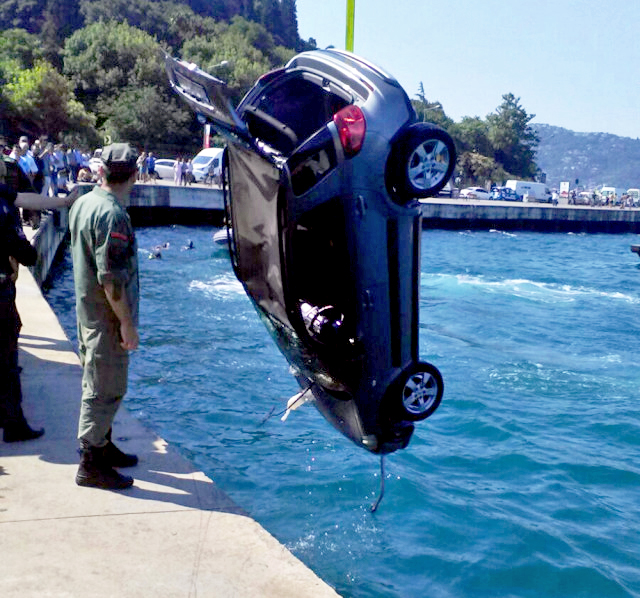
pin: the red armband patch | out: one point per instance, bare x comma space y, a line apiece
120, 236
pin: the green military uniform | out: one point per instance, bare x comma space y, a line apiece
104, 251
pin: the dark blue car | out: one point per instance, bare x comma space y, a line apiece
324, 162
505, 194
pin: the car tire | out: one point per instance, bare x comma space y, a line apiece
417, 393
420, 163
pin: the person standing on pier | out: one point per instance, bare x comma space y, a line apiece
105, 270
15, 249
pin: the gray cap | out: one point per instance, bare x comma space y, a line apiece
119, 157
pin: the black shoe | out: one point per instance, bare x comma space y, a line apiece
21, 433
96, 472
116, 458
104, 478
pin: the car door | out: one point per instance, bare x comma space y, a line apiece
269, 243
254, 191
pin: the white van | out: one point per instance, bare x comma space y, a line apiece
208, 163
530, 191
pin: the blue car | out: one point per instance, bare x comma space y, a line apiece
505, 194
323, 166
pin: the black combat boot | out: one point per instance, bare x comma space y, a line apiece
20, 432
115, 457
95, 470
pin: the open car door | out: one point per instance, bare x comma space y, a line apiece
207, 96
253, 212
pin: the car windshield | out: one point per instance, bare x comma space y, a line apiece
202, 160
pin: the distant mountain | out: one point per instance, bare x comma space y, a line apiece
594, 159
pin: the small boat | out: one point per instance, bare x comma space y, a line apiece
636, 249
221, 237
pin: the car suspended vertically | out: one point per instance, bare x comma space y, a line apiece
324, 162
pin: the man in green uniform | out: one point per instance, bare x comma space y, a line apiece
105, 269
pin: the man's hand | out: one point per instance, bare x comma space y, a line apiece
130, 338
72, 195
15, 266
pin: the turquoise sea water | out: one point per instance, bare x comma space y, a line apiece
525, 482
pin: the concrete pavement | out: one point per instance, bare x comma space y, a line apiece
174, 533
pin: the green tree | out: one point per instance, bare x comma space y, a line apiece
20, 46
59, 20
288, 24
146, 117
513, 140
477, 169
44, 101
430, 112
248, 47
22, 14
119, 71
157, 18
472, 135
104, 58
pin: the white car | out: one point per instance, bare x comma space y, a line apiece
475, 193
164, 169
95, 162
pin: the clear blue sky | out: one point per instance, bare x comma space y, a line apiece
573, 63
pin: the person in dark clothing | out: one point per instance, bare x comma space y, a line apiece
14, 248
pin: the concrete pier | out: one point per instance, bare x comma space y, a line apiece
457, 214
174, 533
164, 204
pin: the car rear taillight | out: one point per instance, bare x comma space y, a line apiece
351, 126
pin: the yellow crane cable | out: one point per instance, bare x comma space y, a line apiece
351, 13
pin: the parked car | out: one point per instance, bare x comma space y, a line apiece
164, 169
505, 194
324, 162
475, 193
584, 198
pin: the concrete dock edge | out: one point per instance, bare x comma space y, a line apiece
174, 533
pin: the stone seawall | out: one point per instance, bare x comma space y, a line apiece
149, 205
166, 204
198, 204
47, 240
461, 214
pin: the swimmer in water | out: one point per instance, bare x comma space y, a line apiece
155, 254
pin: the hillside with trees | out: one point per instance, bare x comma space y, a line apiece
593, 159
79, 71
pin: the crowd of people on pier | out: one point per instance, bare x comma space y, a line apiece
51, 167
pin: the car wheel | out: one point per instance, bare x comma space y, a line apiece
420, 163
421, 392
